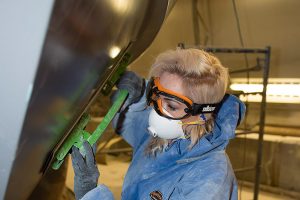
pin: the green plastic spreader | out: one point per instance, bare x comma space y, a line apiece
78, 135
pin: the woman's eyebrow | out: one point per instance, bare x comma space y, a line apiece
173, 100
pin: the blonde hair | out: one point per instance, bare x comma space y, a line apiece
204, 81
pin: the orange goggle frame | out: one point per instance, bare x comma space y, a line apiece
154, 88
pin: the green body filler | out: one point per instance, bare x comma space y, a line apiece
78, 134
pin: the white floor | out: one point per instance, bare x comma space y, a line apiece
112, 175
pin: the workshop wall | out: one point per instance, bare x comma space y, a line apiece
262, 23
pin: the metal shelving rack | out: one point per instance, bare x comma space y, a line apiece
266, 52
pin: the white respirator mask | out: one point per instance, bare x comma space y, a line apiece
164, 128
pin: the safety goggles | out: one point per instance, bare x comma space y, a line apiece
173, 105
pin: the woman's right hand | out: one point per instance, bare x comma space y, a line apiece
85, 170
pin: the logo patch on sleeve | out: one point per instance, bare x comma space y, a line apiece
156, 195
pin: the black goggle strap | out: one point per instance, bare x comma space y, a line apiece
203, 108
221, 103
207, 108
149, 91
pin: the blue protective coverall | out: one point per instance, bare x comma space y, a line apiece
204, 172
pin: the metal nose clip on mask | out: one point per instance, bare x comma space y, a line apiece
164, 128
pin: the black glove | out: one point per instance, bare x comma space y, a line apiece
135, 86
85, 170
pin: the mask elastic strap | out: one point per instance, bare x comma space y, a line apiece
198, 122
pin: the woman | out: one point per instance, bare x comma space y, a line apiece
179, 129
